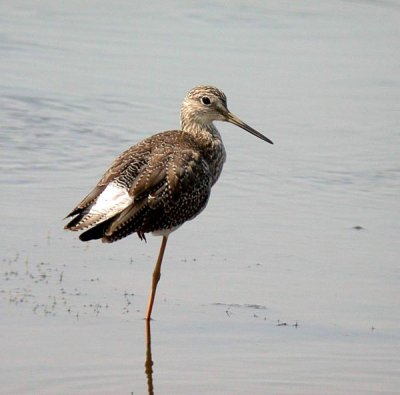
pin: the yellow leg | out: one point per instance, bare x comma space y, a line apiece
149, 361
156, 277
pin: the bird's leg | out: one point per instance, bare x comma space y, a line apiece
149, 362
156, 277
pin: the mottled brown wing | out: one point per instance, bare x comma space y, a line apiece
172, 189
133, 158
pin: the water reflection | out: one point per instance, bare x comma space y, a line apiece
149, 362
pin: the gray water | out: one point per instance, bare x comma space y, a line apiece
288, 283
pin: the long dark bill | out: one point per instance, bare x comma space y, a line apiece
236, 121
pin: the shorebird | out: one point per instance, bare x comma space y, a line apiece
161, 182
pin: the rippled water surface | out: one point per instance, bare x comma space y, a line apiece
288, 283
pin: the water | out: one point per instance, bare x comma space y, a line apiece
288, 282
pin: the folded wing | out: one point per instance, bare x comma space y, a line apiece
151, 187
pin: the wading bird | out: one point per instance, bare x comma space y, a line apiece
161, 182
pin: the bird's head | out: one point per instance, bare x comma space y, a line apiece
205, 104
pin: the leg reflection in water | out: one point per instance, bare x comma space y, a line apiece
149, 362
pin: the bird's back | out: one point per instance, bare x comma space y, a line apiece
156, 185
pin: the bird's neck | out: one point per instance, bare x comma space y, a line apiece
209, 141
200, 131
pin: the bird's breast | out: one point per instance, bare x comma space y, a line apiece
217, 156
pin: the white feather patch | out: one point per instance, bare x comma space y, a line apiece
111, 201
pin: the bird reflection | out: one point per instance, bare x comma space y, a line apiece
149, 362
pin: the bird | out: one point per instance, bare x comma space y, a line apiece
161, 182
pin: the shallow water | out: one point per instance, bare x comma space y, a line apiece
288, 282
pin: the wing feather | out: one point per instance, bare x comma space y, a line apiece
113, 200
132, 160
155, 185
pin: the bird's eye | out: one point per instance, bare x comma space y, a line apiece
206, 100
